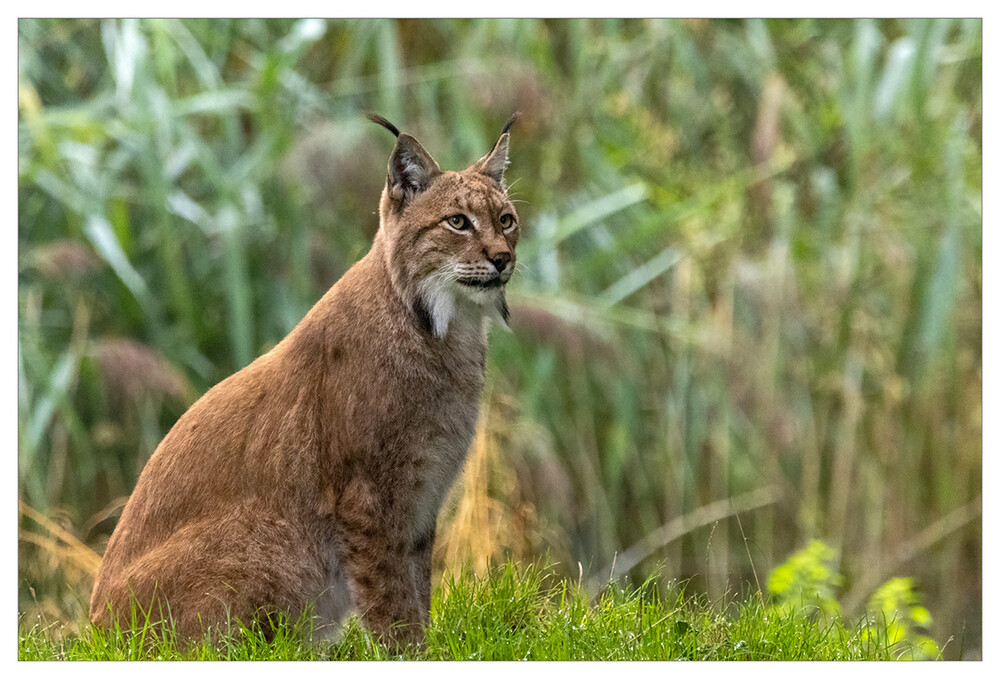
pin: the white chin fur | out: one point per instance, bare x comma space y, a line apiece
444, 301
480, 296
491, 300
440, 303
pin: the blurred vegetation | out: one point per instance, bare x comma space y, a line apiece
748, 309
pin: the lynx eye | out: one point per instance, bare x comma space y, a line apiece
507, 222
458, 222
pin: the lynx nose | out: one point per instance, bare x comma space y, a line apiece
500, 261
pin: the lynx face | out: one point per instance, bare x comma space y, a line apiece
450, 235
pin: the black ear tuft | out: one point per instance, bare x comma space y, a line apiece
494, 163
510, 121
411, 168
379, 120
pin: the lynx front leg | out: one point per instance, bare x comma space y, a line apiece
375, 548
420, 570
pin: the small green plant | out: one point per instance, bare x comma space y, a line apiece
896, 619
808, 578
896, 607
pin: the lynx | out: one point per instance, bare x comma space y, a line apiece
312, 478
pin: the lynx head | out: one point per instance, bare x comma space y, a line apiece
448, 237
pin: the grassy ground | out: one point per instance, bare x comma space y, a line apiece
526, 614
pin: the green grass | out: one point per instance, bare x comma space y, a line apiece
523, 614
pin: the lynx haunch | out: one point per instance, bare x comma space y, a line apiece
313, 477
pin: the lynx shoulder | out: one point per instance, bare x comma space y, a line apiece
313, 477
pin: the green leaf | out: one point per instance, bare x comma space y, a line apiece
59, 380
102, 236
921, 616
942, 292
640, 276
895, 75
588, 214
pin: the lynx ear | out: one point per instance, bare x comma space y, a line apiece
411, 168
495, 162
